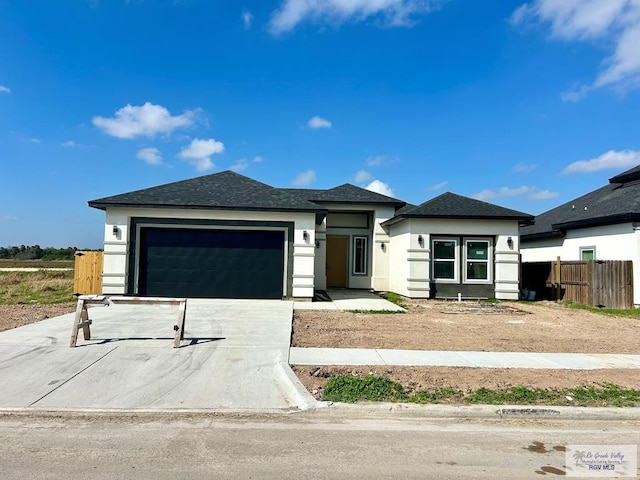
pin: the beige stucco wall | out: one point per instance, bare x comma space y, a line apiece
398, 247
117, 252
377, 277
410, 271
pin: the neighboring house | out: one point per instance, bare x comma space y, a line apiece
601, 225
226, 235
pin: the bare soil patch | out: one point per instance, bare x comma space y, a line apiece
12, 316
471, 326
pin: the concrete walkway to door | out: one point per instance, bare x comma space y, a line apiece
350, 300
234, 358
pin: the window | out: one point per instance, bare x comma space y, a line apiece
445, 265
359, 255
588, 253
477, 260
462, 259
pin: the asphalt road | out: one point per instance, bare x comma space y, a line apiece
313, 445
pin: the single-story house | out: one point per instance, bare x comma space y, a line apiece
602, 225
226, 235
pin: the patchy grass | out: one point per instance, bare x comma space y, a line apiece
630, 312
394, 298
374, 388
490, 301
41, 287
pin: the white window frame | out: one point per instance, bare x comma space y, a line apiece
587, 249
456, 259
365, 254
488, 261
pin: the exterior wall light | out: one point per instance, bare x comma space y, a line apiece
510, 243
305, 236
420, 241
383, 247
116, 230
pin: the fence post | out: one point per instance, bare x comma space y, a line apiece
558, 280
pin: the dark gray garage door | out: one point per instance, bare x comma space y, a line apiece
203, 263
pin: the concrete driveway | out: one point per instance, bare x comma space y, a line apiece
234, 357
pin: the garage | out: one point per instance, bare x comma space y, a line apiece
211, 263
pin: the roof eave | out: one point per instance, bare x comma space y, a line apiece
407, 216
592, 222
541, 235
355, 202
104, 206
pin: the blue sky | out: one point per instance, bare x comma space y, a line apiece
523, 104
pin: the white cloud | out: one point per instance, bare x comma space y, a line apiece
4, 89
240, 165
34, 140
531, 193
146, 120
380, 187
150, 155
613, 22
247, 19
524, 167
536, 194
318, 122
389, 13
607, 161
304, 179
439, 186
375, 161
69, 144
576, 93
243, 164
362, 176
198, 153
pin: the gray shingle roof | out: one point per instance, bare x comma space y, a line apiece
617, 202
450, 205
225, 190
628, 176
230, 190
346, 193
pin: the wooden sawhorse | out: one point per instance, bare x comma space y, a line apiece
82, 320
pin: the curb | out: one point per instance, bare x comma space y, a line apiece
298, 395
360, 410
144, 412
500, 412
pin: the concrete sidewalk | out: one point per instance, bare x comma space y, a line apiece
357, 356
234, 358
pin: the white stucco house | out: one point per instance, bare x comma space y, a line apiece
227, 235
602, 225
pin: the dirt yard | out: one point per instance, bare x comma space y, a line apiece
12, 316
471, 326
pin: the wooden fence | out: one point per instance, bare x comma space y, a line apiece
595, 282
87, 276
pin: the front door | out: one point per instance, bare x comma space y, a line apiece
337, 262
